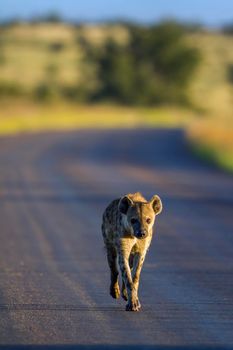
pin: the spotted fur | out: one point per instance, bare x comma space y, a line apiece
127, 230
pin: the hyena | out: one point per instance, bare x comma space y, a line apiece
127, 232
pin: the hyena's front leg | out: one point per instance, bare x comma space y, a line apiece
112, 262
123, 289
133, 302
137, 268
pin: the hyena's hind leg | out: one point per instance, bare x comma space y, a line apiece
123, 288
112, 262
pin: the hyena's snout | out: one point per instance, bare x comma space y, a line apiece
139, 230
141, 233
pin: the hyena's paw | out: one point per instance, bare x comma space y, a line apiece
133, 305
124, 293
115, 291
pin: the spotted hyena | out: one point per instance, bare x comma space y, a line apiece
127, 231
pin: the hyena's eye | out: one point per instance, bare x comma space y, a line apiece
148, 220
133, 221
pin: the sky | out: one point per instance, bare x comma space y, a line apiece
213, 13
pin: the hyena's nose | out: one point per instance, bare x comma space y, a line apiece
142, 233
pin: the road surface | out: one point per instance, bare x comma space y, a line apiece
54, 278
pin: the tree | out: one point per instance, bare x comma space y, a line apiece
156, 66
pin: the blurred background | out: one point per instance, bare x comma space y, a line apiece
69, 64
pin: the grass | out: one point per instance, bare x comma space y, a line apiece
27, 51
29, 117
222, 159
212, 140
26, 54
211, 88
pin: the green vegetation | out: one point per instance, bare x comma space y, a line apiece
141, 66
228, 29
55, 75
211, 135
154, 67
212, 140
216, 156
31, 117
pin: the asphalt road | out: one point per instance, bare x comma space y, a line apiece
54, 278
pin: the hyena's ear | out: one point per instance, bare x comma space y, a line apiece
156, 204
124, 204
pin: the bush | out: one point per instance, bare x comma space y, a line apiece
2, 59
75, 93
45, 92
228, 29
2, 53
56, 46
8, 89
155, 67
230, 73
51, 72
52, 17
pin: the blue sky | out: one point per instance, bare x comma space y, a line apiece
209, 12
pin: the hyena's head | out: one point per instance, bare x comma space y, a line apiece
139, 216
